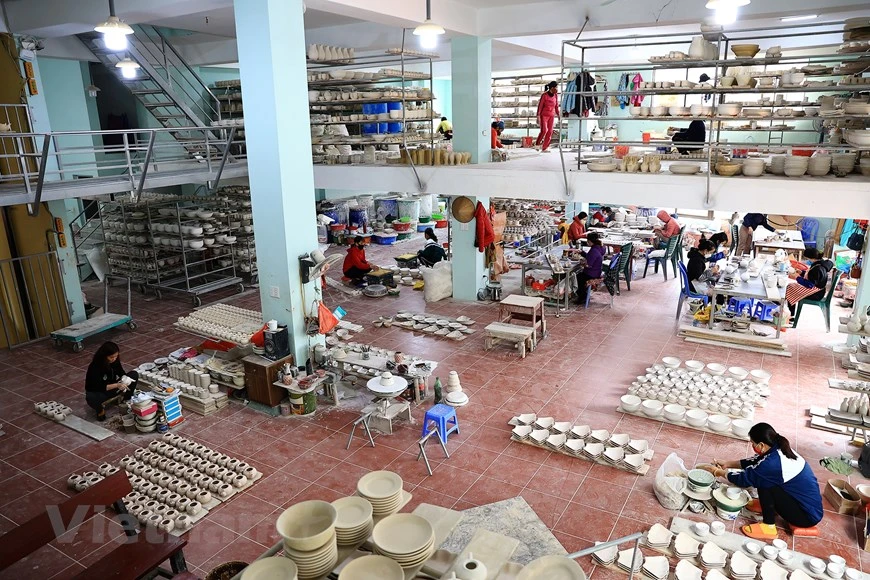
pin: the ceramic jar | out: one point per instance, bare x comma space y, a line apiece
224, 490
470, 569
239, 481
166, 525
195, 507
183, 522
143, 516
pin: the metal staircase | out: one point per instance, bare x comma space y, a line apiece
165, 84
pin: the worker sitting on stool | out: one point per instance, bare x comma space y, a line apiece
355, 265
432, 252
105, 379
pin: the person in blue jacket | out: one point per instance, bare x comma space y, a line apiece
785, 483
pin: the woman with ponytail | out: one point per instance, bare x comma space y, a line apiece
785, 483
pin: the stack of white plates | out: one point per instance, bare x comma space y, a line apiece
556, 441
687, 571
544, 422
407, 539
659, 536
383, 489
656, 567
540, 436
614, 455
685, 546
599, 435
579, 432
637, 446
633, 462
605, 556
712, 556
521, 432
625, 558
593, 450
618, 440
561, 427
315, 563
742, 567
575, 446
269, 568
379, 567
353, 523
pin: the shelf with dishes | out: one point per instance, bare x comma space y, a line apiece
375, 79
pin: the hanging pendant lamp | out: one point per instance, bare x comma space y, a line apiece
114, 30
428, 31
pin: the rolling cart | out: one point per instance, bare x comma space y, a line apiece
76, 333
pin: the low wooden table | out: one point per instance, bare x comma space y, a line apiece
524, 309
521, 336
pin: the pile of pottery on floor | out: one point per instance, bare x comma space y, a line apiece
52, 410
174, 479
655, 567
630, 560
354, 522
374, 566
408, 539
605, 556
308, 529
268, 568
617, 449
223, 321
454, 397
145, 411
383, 489
456, 329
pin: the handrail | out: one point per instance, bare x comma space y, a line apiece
189, 68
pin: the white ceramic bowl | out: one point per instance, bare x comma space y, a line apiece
652, 408
716, 369
674, 412
671, 362
718, 423
307, 525
630, 403
270, 568
694, 365
738, 373
769, 552
759, 376
741, 427
696, 417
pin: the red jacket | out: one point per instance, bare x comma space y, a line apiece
577, 230
484, 236
547, 105
356, 258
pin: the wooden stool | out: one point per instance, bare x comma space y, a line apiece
522, 337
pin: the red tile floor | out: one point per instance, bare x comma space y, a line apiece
578, 373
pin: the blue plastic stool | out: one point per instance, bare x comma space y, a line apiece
443, 415
764, 310
738, 304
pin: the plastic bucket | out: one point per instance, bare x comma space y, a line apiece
387, 209
528, 142
409, 208
426, 203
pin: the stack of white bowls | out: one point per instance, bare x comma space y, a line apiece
753, 167
267, 568
308, 529
796, 165
843, 162
777, 164
383, 489
407, 539
819, 165
354, 522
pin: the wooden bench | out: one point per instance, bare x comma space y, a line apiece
521, 337
142, 553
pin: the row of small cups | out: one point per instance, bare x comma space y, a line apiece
712, 373
706, 403
199, 456
203, 451
197, 480
759, 376
674, 413
52, 410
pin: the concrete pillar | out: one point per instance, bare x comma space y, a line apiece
468, 262
271, 45
67, 210
471, 69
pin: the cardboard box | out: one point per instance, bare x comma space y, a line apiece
843, 497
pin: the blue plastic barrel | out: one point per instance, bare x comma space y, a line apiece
374, 109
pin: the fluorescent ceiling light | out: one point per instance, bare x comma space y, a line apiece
428, 31
128, 68
719, 4
114, 31
796, 18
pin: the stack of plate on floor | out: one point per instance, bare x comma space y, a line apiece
544, 422
575, 446
770, 571
659, 537
687, 571
383, 489
353, 523
556, 442
379, 567
685, 546
561, 427
406, 538
637, 446
863, 345
308, 529
524, 419
712, 556
742, 567
579, 432
618, 440
625, 558
521, 432
593, 450
614, 455
633, 462
715, 574
539, 436
599, 435
605, 556
656, 567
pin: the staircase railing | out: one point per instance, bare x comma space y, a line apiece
185, 82
130, 154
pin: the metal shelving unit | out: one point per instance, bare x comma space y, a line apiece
526, 98
715, 146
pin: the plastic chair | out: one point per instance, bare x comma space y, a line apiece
626, 265
677, 256
442, 415
609, 277
735, 232
824, 303
809, 230
662, 257
764, 310
737, 305
686, 290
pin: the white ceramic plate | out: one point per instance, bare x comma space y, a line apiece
372, 568
552, 568
353, 512
379, 485
402, 534
270, 568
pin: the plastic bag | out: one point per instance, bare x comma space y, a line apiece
326, 319
670, 482
438, 281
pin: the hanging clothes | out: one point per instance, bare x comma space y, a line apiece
602, 106
623, 97
637, 97
483, 232
568, 97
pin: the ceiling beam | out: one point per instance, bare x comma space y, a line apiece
453, 15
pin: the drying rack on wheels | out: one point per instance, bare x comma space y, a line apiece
76, 333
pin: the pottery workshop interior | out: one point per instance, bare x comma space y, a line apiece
434, 289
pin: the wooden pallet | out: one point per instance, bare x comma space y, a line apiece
747, 342
648, 455
682, 424
79, 425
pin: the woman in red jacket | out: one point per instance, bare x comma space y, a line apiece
355, 265
546, 114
